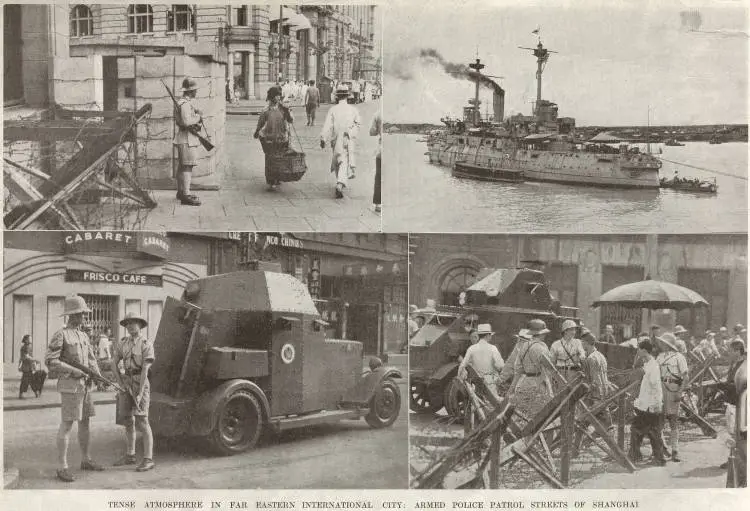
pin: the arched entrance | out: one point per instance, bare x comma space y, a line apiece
454, 281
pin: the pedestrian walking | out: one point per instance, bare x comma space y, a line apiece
567, 353
137, 355
484, 358
312, 102
648, 408
26, 366
71, 344
376, 131
273, 132
104, 355
188, 120
531, 389
340, 129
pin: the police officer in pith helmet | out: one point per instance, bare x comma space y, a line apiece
188, 118
71, 344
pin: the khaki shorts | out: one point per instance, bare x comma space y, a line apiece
187, 155
76, 406
127, 409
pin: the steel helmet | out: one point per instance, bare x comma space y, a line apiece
568, 324
74, 305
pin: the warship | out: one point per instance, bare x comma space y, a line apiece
540, 147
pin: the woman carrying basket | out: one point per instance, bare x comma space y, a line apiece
273, 131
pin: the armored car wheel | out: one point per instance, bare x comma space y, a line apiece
385, 405
239, 424
421, 400
455, 398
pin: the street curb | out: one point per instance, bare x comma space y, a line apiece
240, 112
14, 408
11, 478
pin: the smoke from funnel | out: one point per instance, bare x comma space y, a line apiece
402, 66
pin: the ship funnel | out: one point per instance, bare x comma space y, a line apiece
498, 105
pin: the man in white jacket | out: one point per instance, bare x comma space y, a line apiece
341, 128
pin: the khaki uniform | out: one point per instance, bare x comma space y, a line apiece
184, 139
133, 352
71, 344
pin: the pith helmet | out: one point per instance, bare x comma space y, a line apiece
537, 327
679, 329
74, 305
669, 340
189, 84
133, 317
568, 324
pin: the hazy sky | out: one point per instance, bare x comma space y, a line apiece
612, 63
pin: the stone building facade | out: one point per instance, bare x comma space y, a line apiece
582, 267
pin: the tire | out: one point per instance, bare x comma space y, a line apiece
239, 424
421, 400
455, 398
385, 405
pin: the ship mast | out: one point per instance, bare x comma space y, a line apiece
477, 67
542, 54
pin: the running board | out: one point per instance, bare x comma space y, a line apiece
300, 421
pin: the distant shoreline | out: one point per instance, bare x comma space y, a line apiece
690, 133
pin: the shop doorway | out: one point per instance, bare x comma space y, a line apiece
364, 326
103, 313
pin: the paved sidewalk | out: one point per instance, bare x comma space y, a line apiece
244, 203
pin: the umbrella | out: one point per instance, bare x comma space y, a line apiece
651, 294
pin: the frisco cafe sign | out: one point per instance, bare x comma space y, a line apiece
153, 243
107, 277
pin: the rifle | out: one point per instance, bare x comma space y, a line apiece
93, 376
195, 130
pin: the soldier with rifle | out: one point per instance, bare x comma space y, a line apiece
189, 119
70, 346
137, 355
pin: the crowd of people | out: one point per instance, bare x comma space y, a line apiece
531, 377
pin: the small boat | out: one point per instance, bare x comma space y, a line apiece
486, 173
689, 185
673, 142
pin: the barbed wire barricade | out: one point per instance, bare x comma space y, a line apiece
78, 170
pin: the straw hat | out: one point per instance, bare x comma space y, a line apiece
133, 317
74, 305
485, 329
679, 329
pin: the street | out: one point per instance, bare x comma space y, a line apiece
342, 455
244, 203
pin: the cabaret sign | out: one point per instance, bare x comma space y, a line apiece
105, 277
152, 243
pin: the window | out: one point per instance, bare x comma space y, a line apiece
274, 27
81, 21
240, 17
180, 19
140, 19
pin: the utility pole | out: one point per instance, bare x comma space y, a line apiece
359, 51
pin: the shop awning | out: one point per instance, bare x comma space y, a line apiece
291, 18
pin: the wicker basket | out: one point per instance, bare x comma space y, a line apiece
288, 166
